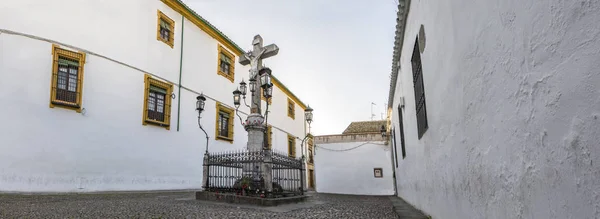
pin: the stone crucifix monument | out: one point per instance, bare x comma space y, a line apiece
255, 122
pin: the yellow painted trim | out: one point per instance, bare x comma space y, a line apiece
291, 114
57, 52
292, 149
149, 81
287, 92
220, 107
171, 23
231, 68
179, 7
270, 136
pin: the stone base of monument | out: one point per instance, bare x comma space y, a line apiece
250, 200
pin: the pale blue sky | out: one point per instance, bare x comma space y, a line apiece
335, 55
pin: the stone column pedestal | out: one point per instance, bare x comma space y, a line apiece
267, 170
255, 128
205, 171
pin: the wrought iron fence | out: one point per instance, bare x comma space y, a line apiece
248, 173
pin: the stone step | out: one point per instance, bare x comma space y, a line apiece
405, 210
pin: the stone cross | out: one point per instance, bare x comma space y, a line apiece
254, 58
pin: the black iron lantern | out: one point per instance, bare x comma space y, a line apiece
236, 97
243, 87
265, 77
268, 91
252, 85
200, 103
308, 114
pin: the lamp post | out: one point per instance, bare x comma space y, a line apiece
200, 101
200, 107
308, 116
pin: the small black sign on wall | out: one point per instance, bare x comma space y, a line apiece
378, 172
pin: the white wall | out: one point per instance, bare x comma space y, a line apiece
513, 105
107, 147
351, 172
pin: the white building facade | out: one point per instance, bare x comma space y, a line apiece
354, 164
100, 96
495, 108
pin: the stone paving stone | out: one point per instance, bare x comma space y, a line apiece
183, 205
405, 210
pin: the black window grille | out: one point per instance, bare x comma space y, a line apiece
225, 64
156, 103
401, 125
224, 124
395, 146
419, 90
165, 30
67, 80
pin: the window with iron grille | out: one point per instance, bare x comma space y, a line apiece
291, 108
401, 125
165, 29
157, 104
419, 90
224, 123
67, 78
226, 63
291, 146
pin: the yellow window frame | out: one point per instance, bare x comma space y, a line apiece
291, 109
171, 23
292, 147
222, 108
222, 50
57, 53
270, 137
149, 81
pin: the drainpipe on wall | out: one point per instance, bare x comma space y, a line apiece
180, 70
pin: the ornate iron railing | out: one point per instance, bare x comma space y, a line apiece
249, 172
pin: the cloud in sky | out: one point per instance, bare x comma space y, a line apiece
334, 55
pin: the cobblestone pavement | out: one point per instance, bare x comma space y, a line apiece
183, 205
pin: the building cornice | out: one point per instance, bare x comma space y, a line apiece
204, 25
402, 15
287, 91
211, 30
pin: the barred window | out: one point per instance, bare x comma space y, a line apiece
226, 63
291, 146
67, 78
401, 125
165, 29
224, 123
157, 104
291, 109
419, 88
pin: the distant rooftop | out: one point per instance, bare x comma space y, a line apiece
364, 127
